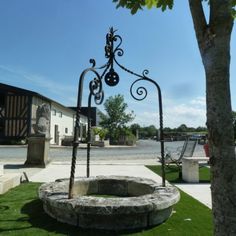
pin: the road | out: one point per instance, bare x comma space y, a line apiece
145, 149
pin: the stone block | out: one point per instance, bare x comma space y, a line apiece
113, 222
85, 187
1, 170
113, 187
158, 217
137, 189
8, 181
190, 168
190, 171
61, 215
37, 153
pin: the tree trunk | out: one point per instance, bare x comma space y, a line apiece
222, 151
214, 44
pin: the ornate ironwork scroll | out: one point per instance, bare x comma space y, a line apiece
111, 78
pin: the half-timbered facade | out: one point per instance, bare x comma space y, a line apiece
15, 112
18, 115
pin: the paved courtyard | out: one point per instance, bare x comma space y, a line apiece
129, 161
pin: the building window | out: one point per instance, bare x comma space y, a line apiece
54, 112
60, 114
66, 130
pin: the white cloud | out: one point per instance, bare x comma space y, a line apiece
199, 101
191, 113
147, 118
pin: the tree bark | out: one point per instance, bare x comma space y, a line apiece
214, 45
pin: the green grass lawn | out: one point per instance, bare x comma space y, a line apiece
21, 213
172, 174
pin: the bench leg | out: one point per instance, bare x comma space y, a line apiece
190, 170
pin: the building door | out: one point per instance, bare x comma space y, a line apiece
56, 135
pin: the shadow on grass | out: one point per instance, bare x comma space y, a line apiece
39, 219
172, 174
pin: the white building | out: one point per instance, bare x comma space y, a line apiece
62, 123
18, 116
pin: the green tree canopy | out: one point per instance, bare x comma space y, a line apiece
182, 128
135, 5
116, 117
135, 128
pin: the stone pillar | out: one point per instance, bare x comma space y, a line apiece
38, 149
190, 170
8, 180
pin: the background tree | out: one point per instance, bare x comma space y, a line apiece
200, 129
135, 128
152, 131
182, 128
100, 132
213, 37
148, 132
116, 117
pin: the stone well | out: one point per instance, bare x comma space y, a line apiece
138, 203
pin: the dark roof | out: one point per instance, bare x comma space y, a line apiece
13, 89
84, 109
95, 117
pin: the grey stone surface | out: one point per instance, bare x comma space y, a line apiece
113, 187
8, 181
132, 209
156, 217
37, 152
85, 187
138, 189
190, 168
42, 126
1, 170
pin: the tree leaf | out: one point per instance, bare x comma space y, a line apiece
135, 8
163, 4
233, 13
150, 3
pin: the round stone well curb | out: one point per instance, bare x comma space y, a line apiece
137, 202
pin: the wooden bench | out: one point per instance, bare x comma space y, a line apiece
190, 168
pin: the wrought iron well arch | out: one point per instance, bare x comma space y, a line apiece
111, 78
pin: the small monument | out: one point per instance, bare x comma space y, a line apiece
38, 143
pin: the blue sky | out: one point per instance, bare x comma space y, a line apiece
45, 45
